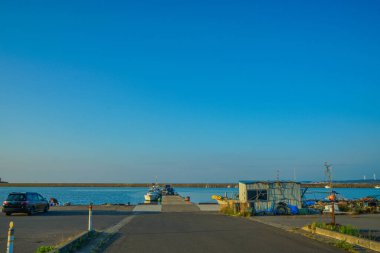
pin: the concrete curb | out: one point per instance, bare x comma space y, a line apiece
106, 236
76, 243
365, 243
276, 225
208, 207
147, 208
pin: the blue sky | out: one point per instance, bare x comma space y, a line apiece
188, 91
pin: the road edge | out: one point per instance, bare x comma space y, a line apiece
317, 237
103, 240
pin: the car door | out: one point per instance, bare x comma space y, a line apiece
31, 201
37, 202
42, 202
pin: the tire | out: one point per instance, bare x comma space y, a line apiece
46, 209
281, 210
31, 211
8, 213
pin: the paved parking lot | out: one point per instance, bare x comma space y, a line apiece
189, 232
369, 224
57, 225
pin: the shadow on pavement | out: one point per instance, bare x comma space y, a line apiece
370, 234
85, 213
145, 212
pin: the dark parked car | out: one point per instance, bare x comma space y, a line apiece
25, 202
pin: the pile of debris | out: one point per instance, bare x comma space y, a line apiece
370, 204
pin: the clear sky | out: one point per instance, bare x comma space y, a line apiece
188, 91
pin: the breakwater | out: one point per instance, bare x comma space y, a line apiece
177, 185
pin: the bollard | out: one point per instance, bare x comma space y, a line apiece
90, 217
11, 233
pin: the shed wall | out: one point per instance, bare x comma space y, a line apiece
288, 192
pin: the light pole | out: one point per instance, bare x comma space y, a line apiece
332, 195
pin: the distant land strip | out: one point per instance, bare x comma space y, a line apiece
195, 185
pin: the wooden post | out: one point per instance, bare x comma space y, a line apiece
11, 232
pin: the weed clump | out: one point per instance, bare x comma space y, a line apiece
344, 229
344, 245
45, 249
235, 209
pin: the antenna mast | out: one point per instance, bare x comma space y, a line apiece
328, 172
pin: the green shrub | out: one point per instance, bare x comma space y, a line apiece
227, 210
344, 229
44, 249
233, 211
344, 245
343, 207
349, 230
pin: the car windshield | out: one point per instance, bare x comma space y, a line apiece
16, 197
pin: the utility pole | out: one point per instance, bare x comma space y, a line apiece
328, 172
278, 175
294, 174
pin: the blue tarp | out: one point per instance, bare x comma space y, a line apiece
293, 209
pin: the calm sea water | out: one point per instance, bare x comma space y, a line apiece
135, 195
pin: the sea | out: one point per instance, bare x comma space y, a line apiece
135, 195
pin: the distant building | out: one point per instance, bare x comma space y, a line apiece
270, 196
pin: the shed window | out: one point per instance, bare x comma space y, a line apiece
257, 195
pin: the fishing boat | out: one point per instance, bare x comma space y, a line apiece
219, 199
224, 200
168, 190
153, 194
327, 186
377, 186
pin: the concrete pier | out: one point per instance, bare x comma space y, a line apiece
177, 204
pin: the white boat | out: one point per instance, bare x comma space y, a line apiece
328, 209
377, 186
327, 186
153, 194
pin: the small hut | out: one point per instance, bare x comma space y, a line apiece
278, 197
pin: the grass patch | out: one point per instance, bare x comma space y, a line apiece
45, 249
344, 245
235, 210
344, 229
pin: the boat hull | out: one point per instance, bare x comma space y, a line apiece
151, 197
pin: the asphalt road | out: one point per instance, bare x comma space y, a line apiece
207, 232
55, 226
368, 224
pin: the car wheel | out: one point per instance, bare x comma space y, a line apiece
31, 211
8, 213
46, 209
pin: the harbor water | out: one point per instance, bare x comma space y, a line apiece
135, 195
